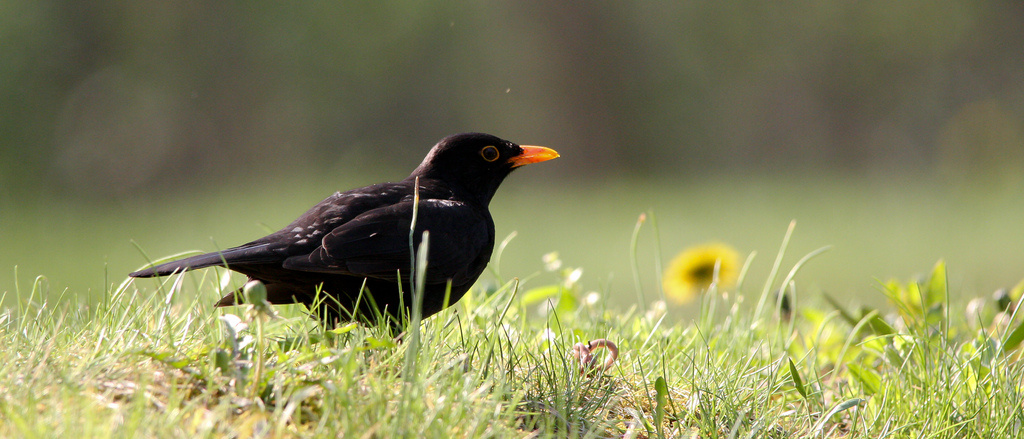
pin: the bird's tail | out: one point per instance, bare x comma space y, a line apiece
237, 255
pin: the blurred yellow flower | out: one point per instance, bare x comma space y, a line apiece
691, 272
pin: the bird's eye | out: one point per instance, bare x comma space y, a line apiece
489, 153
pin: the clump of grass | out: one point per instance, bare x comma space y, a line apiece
153, 361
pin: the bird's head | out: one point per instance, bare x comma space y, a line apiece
478, 162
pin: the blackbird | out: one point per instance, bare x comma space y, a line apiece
347, 256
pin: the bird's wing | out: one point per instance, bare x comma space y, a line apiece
333, 211
298, 238
376, 243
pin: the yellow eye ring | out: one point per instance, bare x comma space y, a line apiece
489, 153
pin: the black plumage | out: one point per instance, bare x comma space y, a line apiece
359, 240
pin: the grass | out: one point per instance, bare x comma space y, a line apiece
152, 359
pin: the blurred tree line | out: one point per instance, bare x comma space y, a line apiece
114, 99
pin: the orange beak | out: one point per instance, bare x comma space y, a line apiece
532, 154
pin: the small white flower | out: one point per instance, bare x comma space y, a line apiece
657, 310
551, 261
510, 332
975, 310
573, 277
233, 324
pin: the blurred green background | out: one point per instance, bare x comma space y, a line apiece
891, 130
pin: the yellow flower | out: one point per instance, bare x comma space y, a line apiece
691, 272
